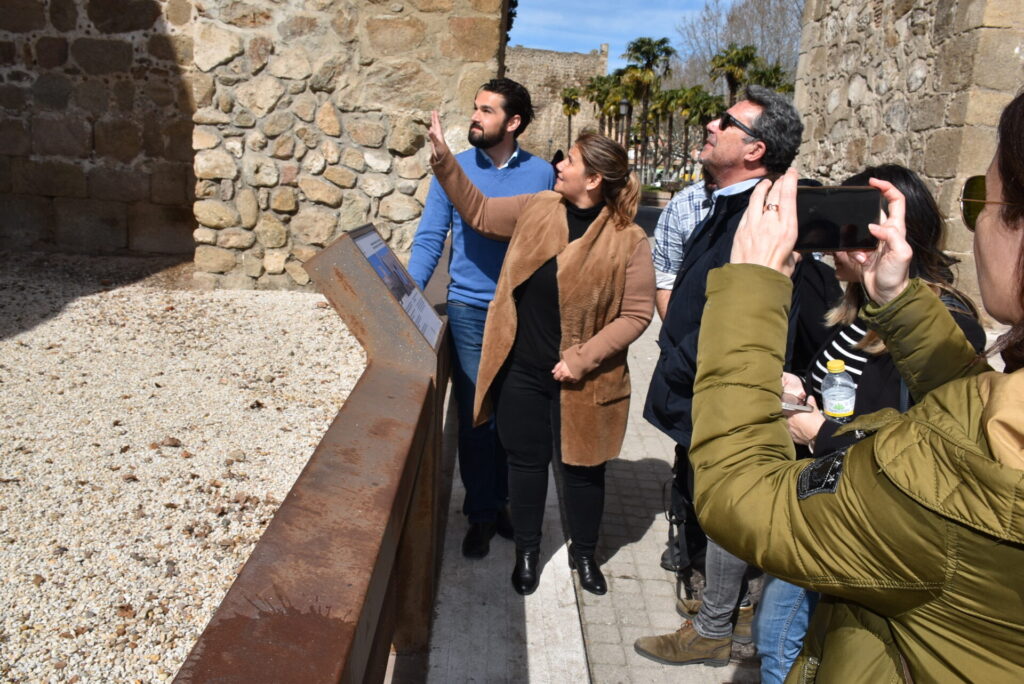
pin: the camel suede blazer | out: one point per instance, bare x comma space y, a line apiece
605, 299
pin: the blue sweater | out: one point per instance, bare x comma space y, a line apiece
475, 260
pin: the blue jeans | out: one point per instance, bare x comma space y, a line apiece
481, 458
780, 625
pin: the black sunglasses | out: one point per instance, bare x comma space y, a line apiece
972, 201
728, 119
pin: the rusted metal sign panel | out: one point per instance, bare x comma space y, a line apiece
322, 592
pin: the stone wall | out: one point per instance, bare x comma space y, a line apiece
315, 123
250, 131
915, 82
545, 73
95, 130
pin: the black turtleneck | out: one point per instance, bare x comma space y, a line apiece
539, 331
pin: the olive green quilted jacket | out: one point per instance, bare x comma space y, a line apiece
915, 534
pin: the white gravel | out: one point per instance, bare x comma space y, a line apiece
147, 435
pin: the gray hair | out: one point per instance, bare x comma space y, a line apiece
778, 127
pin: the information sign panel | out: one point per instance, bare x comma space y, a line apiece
398, 282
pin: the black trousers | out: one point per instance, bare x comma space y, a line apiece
528, 424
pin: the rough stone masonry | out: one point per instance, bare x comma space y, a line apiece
274, 125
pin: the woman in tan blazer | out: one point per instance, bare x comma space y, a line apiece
576, 288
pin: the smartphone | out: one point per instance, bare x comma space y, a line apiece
791, 402
835, 218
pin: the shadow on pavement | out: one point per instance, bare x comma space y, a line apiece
633, 501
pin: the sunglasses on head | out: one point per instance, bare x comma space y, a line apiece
972, 201
728, 119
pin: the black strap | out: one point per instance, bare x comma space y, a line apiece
794, 315
904, 396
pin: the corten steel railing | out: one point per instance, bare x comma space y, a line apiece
349, 565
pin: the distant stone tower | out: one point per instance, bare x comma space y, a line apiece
545, 73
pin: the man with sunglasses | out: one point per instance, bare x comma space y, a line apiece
756, 138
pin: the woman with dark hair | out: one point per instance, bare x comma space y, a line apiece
576, 288
783, 613
914, 534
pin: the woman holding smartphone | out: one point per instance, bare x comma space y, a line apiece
781, 620
576, 288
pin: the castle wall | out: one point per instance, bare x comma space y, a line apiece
95, 131
915, 82
545, 73
254, 132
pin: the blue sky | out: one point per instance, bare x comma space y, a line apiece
582, 25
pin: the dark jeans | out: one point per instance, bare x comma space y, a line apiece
481, 459
529, 428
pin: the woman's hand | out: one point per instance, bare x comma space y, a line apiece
886, 269
561, 373
438, 146
804, 425
792, 384
767, 231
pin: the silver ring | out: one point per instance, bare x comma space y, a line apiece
771, 207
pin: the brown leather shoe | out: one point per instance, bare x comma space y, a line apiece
742, 632
685, 647
688, 607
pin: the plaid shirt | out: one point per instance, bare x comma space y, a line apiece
687, 208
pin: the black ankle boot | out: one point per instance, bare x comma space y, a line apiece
590, 574
526, 574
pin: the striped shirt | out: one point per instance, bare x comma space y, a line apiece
842, 347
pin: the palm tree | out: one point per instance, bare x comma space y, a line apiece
598, 91
666, 104
770, 76
570, 107
650, 58
732, 64
701, 107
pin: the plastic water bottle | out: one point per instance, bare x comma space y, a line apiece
838, 392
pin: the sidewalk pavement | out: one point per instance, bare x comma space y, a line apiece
484, 632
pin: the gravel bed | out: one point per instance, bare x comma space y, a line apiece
148, 433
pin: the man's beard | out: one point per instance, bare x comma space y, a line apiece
480, 140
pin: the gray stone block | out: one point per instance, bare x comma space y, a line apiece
25, 221
64, 136
12, 97
169, 184
22, 16
14, 138
118, 139
53, 178
121, 16
100, 56
51, 52
86, 225
120, 184
51, 91
63, 14
160, 228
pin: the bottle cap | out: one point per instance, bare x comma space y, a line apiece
836, 366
